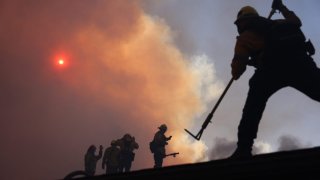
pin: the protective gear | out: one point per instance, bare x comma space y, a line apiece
163, 127
310, 48
90, 160
111, 158
127, 145
113, 142
242, 153
127, 137
160, 141
277, 4
283, 64
152, 146
284, 40
246, 12
238, 67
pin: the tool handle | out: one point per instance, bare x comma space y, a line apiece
209, 117
221, 97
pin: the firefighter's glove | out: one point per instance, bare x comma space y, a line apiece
238, 67
277, 4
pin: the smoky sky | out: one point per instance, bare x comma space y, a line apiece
289, 142
224, 147
47, 125
122, 74
208, 27
127, 70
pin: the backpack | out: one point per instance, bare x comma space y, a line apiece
152, 146
284, 39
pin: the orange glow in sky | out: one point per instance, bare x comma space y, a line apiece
61, 62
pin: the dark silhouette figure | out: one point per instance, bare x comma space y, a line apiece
127, 145
111, 158
158, 146
282, 57
90, 160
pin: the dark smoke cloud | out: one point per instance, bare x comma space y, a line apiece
123, 75
46, 123
223, 148
289, 142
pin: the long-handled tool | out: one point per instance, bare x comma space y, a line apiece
208, 119
275, 5
172, 154
272, 12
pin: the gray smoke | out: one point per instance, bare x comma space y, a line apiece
223, 148
289, 142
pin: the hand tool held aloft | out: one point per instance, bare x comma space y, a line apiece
209, 117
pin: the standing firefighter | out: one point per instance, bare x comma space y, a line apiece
157, 146
111, 158
127, 144
282, 57
90, 160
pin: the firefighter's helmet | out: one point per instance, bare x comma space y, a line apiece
113, 142
246, 12
127, 137
163, 127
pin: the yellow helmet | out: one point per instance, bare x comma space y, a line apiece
246, 12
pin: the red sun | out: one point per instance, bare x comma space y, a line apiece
61, 62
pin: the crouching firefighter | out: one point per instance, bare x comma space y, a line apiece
282, 58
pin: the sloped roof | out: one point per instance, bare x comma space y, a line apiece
301, 164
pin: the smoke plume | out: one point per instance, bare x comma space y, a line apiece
122, 74
289, 142
223, 148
